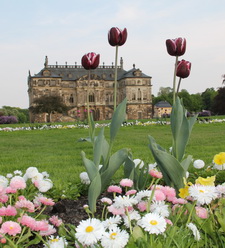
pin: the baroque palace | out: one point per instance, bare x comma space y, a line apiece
71, 82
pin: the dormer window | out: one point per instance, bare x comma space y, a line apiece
137, 73
46, 73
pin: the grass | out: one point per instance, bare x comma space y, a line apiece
57, 151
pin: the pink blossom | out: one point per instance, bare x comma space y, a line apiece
155, 173
11, 228
0, 220
116, 211
169, 191
131, 192
46, 201
4, 198
142, 206
51, 230
159, 195
28, 221
3, 240
171, 199
169, 222
114, 189
41, 225
25, 204
21, 197
179, 201
201, 212
17, 182
10, 211
106, 200
10, 190
126, 182
55, 220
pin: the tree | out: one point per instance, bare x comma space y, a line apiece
48, 104
22, 115
218, 106
208, 98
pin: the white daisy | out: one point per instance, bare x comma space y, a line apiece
31, 172
112, 222
56, 242
18, 172
9, 175
89, 231
85, 178
143, 195
220, 190
44, 185
124, 201
115, 238
3, 181
194, 230
133, 216
153, 223
159, 207
203, 194
199, 164
138, 162
37, 177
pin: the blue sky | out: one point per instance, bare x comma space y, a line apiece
66, 30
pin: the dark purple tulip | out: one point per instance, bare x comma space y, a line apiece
176, 47
117, 37
90, 61
183, 69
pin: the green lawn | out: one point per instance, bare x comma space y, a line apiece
58, 152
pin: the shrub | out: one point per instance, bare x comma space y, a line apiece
8, 119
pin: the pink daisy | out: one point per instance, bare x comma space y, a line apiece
28, 221
156, 174
126, 182
131, 192
114, 189
46, 201
55, 220
25, 204
10, 227
17, 182
201, 212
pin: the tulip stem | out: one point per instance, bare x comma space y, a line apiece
88, 109
178, 87
115, 78
174, 80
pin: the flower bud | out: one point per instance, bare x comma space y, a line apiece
90, 61
117, 37
183, 69
176, 47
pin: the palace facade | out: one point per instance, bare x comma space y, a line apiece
71, 83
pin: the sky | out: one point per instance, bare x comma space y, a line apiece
66, 30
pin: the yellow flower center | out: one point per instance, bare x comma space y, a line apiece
153, 222
54, 240
201, 191
89, 229
113, 235
11, 227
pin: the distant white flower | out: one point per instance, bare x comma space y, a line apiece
220, 190
56, 242
203, 194
9, 175
159, 207
138, 162
187, 174
115, 238
153, 223
151, 166
199, 164
45, 174
111, 222
44, 185
124, 201
37, 177
89, 231
133, 216
3, 181
31, 172
194, 230
143, 195
85, 178
18, 172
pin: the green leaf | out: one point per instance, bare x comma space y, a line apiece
117, 119
105, 150
91, 168
172, 170
137, 233
98, 147
94, 191
115, 161
92, 128
186, 162
129, 167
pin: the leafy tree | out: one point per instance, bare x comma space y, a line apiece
218, 103
208, 98
22, 115
48, 104
196, 101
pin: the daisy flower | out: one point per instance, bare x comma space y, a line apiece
124, 201
115, 238
133, 215
10, 227
112, 222
203, 194
89, 231
126, 182
56, 242
143, 195
153, 223
159, 207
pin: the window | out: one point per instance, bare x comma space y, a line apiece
133, 96
91, 97
139, 95
71, 100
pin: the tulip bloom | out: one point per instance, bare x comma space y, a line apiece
183, 69
176, 47
117, 37
90, 61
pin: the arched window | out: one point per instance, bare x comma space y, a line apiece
139, 95
133, 96
71, 100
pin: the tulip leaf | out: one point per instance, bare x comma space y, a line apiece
98, 147
186, 162
94, 191
172, 170
129, 167
91, 168
117, 119
115, 161
105, 151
